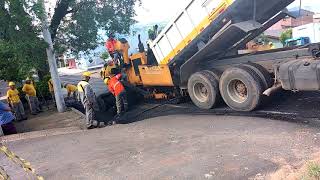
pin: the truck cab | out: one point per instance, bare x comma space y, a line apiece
301, 41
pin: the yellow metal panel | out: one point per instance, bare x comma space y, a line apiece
155, 75
214, 14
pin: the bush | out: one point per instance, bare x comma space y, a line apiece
287, 34
42, 88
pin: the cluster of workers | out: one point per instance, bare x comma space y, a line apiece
112, 74
14, 110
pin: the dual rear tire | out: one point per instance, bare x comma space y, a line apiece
240, 87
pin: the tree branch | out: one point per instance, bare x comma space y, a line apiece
60, 11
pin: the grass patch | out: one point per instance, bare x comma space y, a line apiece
313, 172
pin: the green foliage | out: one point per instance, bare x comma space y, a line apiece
105, 55
287, 34
74, 26
43, 88
153, 33
314, 171
21, 50
79, 32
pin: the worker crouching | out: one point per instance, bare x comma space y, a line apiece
88, 100
72, 91
117, 89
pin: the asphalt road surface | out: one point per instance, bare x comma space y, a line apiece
285, 105
171, 147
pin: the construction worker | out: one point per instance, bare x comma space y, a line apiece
51, 89
111, 46
6, 119
71, 89
271, 45
32, 81
117, 89
31, 95
106, 70
15, 102
88, 100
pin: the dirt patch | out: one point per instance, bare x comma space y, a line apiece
50, 119
297, 171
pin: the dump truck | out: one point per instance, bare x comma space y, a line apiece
198, 54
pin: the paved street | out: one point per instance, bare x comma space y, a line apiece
172, 147
97, 83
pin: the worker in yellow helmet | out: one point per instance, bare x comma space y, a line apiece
106, 70
15, 102
31, 95
51, 89
71, 89
88, 100
271, 45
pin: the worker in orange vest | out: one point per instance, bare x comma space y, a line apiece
111, 44
117, 89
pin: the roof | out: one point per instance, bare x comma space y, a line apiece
273, 33
297, 12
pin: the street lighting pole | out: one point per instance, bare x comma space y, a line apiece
52, 62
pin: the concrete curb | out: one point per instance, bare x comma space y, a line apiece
78, 112
38, 134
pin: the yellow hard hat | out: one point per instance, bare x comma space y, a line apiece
106, 80
12, 83
87, 73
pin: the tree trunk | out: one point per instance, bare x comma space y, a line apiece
53, 67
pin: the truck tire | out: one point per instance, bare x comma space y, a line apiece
263, 74
241, 88
203, 89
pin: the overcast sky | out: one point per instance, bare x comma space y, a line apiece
164, 10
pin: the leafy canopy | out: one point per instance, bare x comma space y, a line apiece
75, 24
21, 50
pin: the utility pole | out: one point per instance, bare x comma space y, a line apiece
52, 62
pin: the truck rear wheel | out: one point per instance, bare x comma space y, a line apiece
241, 88
263, 74
203, 89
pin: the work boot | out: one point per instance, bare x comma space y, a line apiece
91, 127
101, 125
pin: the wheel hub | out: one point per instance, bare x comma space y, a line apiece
237, 91
201, 92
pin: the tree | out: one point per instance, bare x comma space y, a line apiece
75, 23
21, 50
104, 56
287, 34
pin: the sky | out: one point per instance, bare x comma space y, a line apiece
164, 10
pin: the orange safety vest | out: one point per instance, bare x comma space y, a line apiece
111, 45
115, 86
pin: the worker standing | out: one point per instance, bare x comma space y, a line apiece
51, 89
15, 102
111, 44
88, 100
31, 95
117, 89
71, 89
